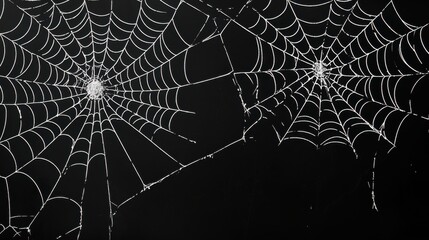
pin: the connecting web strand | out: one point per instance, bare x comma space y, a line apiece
123, 95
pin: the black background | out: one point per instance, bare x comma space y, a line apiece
258, 190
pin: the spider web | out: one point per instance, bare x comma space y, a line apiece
107, 89
330, 73
323, 73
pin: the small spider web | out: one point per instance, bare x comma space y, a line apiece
330, 73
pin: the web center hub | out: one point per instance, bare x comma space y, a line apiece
95, 89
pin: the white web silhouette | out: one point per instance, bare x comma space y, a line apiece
82, 77
85, 79
329, 72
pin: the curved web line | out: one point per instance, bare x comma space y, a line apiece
32, 55
374, 17
326, 28
137, 130
92, 115
92, 37
107, 40
373, 128
369, 98
278, 33
330, 23
45, 121
261, 102
36, 157
349, 14
53, 36
282, 138
72, 31
66, 164
135, 26
120, 105
163, 45
300, 26
29, 84
128, 39
384, 48
341, 123
110, 119
106, 169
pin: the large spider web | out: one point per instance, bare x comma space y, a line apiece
106, 91
122, 91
